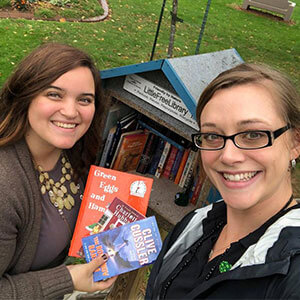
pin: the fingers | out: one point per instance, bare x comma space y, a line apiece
97, 262
102, 285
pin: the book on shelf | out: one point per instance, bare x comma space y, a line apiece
117, 214
102, 187
115, 113
203, 195
170, 161
182, 165
107, 145
176, 164
156, 157
188, 168
198, 182
162, 160
165, 133
129, 150
148, 151
129, 247
127, 123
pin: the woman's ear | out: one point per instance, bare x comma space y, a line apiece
295, 153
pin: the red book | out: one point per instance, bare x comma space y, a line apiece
197, 190
102, 187
117, 214
182, 165
170, 161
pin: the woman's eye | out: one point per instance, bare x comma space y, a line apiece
211, 137
254, 135
86, 100
53, 95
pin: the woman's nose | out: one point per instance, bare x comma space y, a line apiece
231, 154
69, 108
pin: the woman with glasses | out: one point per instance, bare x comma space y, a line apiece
246, 246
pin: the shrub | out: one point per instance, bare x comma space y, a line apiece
21, 4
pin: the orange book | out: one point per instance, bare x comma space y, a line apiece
129, 150
182, 165
102, 187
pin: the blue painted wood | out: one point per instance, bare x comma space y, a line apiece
132, 69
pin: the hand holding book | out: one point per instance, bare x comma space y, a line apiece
82, 276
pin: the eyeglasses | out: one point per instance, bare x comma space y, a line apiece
248, 140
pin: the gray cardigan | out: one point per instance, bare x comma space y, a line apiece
20, 219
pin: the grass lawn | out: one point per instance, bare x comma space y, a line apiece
126, 37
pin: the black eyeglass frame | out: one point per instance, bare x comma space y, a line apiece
272, 135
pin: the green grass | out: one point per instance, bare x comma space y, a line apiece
5, 3
127, 36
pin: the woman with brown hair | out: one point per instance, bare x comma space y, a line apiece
245, 246
51, 116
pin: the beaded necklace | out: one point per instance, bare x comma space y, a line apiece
57, 191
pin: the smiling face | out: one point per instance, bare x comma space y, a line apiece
246, 178
61, 114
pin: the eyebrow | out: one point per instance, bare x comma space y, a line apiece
60, 89
241, 123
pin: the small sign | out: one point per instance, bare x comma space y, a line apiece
160, 98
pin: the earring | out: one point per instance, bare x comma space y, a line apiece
293, 163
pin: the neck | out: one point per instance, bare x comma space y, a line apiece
46, 159
241, 223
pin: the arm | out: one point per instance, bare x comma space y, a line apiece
16, 254
18, 239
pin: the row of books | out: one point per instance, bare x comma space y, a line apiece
137, 143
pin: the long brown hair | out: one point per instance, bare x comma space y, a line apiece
34, 73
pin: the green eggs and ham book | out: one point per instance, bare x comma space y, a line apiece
130, 246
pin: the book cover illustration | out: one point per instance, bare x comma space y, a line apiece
102, 187
117, 214
129, 150
130, 247
127, 123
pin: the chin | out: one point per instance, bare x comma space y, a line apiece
64, 146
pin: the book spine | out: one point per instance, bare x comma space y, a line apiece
162, 160
170, 162
197, 189
156, 157
182, 165
145, 157
176, 164
113, 146
76, 238
107, 146
188, 166
202, 199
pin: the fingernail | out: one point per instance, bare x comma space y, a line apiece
105, 257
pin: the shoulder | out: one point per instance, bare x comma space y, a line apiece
17, 177
14, 159
287, 286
